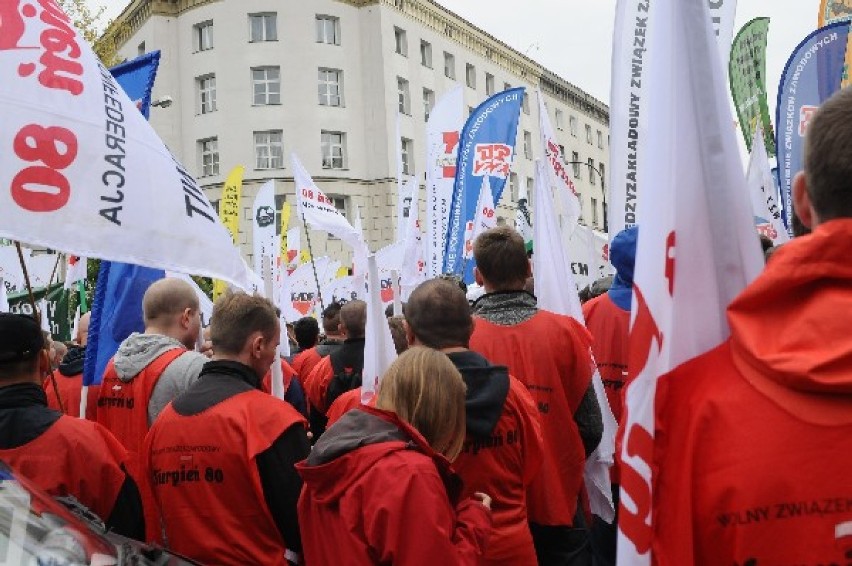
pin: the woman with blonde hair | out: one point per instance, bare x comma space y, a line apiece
378, 488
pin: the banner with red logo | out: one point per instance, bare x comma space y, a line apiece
80, 167
486, 147
813, 73
589, 253
379, 351
485, 219
442, 146
566, 193
697, 249
764, 196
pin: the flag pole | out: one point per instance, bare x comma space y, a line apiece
313, 263
38, 316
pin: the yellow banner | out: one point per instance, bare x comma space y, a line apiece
229, 214
285, 225
833, 11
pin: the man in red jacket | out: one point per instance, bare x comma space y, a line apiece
62, 455
549, 354
221, 457
754, 438
503, 446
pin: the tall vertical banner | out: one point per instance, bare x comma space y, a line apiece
379, 352
764, 199
443, 130
747, 74
566, 195
485, 218
523, 221
628, 121
813, 73
264, 239
833, 11
697, 249
81, 169
229, 213
408, 197
486, 147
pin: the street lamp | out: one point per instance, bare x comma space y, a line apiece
603, 187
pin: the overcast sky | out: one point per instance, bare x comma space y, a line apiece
574, 37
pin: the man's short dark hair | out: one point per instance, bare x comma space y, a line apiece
353, 316
306, 330
828, 168
21, 340
501, 258
236, 316
438, 314
331, 318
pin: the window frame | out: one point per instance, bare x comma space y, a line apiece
426, 54
403, 88
489, 85
575, 164
322, 21
407, 155
400, 38
428, 102
213, 152
265, 81
449, 65
326, 142
470, 75
263, 17
200, 31
527, 144
592, 171
329, 87
270, 145
201, 90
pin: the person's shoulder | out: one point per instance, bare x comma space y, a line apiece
709, 377
89, 436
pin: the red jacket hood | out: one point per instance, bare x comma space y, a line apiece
791, 325
362, 437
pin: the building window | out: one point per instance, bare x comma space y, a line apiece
330, 87
572, 123
426, 54
263, 27
203, 33
333, 150
575, 163
560, 120
602, 170
407, 156
527, 145
266, 85
401, 41
594, 212
600, 139
404, 96
506, 86
208, 154
591, 171
588, 134
470, 76
269, 149
525, 104
449, 65
489, 84
206, 94
328, 30
513, 187
562, 151
428, 102
140, 49
530, 188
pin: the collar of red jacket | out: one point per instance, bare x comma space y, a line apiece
790, 329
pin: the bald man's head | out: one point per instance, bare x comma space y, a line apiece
83, 329
170, 307
438, 315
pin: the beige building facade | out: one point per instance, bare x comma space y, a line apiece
251, 81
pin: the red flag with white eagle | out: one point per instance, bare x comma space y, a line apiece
75, 270
697, 248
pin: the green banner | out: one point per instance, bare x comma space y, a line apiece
747, 70
58, 313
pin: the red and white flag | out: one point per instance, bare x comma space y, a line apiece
697, 248
379, 352
761, 188
566, 195
442, 146
485, 219
75, 270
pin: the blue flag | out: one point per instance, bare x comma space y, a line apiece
813, 73
486, 147
117, 306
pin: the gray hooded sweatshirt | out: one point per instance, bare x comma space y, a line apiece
139, 350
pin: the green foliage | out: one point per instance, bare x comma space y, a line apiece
90, 23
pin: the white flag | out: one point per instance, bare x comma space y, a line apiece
722, 14
341, 290
523, 222
413, 267
294, 247
485, 218
75, 270
319, 211
697, 249
442, 144
553, 276
43, 310
4, 298
589, 253
761, 187
379, 352
299, 293
359, 260
263, 228
83, 170
408, 197
566, 193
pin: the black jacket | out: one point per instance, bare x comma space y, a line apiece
487, 388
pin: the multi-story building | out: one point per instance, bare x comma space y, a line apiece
254, 80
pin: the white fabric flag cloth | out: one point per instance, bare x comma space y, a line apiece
294, 247
264, 239
523, 222
319, 211
722, 15
85, 172
442, 145
566, 192
299, 293
761, 187
589, 253
408, 198
697, 249
341, 290
359, 260
413, 267
553, 282
484, 219
4, 298
379, 352
75, 270
43, 310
